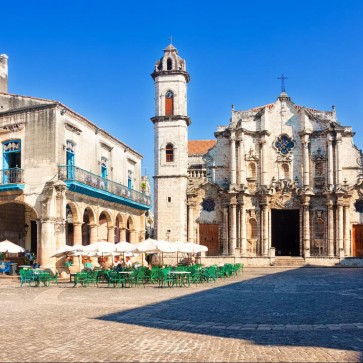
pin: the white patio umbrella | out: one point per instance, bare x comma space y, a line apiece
10, 247
100, 246
125, 247
66, 250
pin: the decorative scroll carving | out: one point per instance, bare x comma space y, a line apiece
319, 155
251, 156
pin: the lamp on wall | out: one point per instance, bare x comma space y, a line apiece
70, 217
26, 228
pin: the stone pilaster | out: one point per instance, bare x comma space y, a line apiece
347, 246
77, 233
306, 158
338, 144
93, 233
232, 226
263, 161
243, 229
232, 141
340, 228
330, 161
241, 162
306, 222
330, 208
191, 206
225, 230
111, 234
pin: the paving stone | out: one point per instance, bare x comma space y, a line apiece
263, 315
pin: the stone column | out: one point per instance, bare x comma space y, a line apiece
243, 229
190, 222
232, 228
265, 247
347, 246
47, 244
241, 162
77, 233
93, 233
233, 158
330, 229
340, 246
225, 230
338, 160
111, 234
306, 222
263, 160
306, 164
330, 162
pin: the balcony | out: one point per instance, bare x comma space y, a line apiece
11, 179
85, 182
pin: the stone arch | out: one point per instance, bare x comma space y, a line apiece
130, 229
88, 226
75, 210
18, 223
120, 228
105, 224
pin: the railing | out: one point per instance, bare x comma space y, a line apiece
197, 173
12, 176
73, 173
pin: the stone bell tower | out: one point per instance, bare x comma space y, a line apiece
171, 146
3, 73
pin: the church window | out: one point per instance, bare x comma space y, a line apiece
252, 170
169, 64
208, 205
169, 103
285, 171
284, 144
169, 153
252, 229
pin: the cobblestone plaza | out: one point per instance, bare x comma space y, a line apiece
263, 315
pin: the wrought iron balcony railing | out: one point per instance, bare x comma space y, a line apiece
73, 173
12, 176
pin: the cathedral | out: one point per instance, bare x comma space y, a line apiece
279, 180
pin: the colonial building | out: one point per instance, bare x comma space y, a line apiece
63, 179
277, 179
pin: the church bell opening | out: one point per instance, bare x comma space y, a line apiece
285, 232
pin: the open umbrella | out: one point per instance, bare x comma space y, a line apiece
104, 248
10, 247
66, 250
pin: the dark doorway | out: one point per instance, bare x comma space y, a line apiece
33, 236
285, 232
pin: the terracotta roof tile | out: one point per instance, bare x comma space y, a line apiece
200, 147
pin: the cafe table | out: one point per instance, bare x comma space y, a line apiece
180, 278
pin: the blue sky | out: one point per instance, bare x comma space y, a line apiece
96, 57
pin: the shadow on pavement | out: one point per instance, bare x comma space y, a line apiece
314, 307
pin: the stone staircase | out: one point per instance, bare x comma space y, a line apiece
286, 261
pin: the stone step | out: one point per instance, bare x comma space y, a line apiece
289, 261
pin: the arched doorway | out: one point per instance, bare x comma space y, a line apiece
88, 220
18, 224
105, 231
129, 229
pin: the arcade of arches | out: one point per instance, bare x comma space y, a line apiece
86, 226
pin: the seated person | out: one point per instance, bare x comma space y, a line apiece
35, 264
105, 264
128, 262
88, 264
69, 261
118, 267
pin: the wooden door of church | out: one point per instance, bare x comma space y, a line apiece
208, 236
357, 240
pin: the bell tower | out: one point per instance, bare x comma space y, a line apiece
170, 146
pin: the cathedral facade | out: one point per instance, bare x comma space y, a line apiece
277, 180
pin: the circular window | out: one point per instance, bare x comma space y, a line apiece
208, 205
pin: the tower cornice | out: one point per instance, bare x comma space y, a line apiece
171, 118
157, 73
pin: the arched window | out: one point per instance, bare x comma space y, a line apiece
285, 171
169, 64
169, 103
252, 170
169, 152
